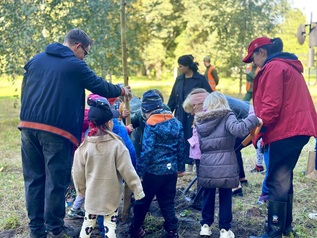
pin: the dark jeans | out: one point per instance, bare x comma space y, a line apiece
197, 162
237, 149
265, 190
283, 156
164, 187
46, 162
225, 207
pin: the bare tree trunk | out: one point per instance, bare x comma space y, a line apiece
240, 76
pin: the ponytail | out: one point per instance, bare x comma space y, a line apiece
194, 66
188, 60
275, 47
94, 129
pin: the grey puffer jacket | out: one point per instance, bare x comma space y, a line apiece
217, 131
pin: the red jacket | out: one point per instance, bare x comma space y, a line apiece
282, 100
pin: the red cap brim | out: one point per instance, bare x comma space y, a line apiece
248, 59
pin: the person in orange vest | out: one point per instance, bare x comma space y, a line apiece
211, 74
251, 71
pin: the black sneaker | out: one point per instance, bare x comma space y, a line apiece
237, 192
76, 213
67, 232
140, 233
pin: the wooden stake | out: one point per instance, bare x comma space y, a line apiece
127, 191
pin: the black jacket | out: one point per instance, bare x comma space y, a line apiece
182, 87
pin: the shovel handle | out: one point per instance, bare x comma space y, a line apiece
253, 133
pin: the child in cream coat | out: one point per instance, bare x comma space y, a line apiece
100, 164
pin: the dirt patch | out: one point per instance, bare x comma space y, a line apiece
6, 234
188, 220
189, 217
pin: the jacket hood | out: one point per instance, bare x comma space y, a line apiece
100, 138
288, 58
159, 116
59, 50
210, 119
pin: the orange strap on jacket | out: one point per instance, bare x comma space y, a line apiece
48, 128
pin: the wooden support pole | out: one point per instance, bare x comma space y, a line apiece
127, 191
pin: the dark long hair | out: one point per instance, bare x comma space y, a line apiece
275, 47
188, 60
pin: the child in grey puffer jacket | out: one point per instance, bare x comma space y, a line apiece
217, 128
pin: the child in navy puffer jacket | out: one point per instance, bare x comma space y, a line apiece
159, 165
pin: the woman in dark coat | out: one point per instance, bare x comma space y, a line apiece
184, 84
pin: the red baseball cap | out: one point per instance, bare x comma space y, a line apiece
255, 44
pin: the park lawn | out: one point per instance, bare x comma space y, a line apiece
12, 207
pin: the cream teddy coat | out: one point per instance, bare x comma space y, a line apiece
101, 163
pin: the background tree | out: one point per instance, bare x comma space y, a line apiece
234, 25
161, 24
287, 30
158, 32
30, 26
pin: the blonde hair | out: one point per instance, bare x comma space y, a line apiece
198, 90
187, 104
188, 107
215, 100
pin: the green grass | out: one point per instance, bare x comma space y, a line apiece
9, 87
12, 206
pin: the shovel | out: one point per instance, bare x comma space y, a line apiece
249, 137
187, 189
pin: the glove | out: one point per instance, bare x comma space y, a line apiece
127, 92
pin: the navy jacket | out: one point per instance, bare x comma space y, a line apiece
239, 107
53, 92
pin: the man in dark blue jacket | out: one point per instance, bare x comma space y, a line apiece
52, 113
